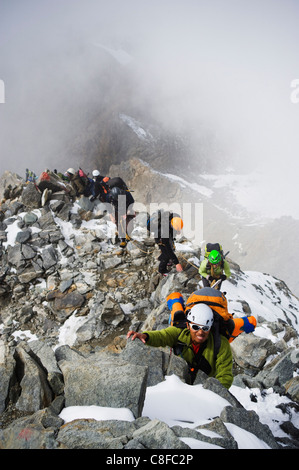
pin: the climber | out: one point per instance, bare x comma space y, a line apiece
30, 176
79, 183
99, 189
166, 225
195, 344
121, 200
211, 269
60, 175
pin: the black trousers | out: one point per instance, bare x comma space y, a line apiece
206, 283
166, 256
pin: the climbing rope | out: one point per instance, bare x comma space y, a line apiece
146, 252
150, 252
189, 262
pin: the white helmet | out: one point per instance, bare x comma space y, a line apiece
201, 314
95, 173
71, 171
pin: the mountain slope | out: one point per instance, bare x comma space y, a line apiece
69, 296
255, 242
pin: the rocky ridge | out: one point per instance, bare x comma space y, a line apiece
255, 243
69, 295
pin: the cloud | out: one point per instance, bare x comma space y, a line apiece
214, 68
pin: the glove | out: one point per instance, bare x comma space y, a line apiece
243, 324
223, 277
173, 298
249, 324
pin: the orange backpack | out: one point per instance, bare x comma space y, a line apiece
224, 323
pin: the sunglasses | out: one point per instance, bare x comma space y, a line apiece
199, 327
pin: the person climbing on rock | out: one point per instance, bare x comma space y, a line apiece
166, 226
122, 201
30, 176
99, 189
214, 268
78, 183
195, 344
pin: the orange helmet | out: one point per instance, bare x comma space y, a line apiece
177, 223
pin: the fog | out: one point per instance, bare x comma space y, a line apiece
217, 68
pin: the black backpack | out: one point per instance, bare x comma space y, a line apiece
159, 223
115, 192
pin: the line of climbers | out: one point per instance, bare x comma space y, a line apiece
30, 176
201, 329
102, 188
113, 191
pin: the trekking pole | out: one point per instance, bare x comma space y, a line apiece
216, 283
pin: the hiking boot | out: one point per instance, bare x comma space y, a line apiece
123, 244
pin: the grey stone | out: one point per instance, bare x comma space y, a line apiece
157, 435
65, 285
46, 221
91, 434
226, 442
250, 351
136, 352
28, 433
29, 274
104, 381
23, 236
249, 421
30, 218
7, 367
15, 256
46, 356
49, 257
215, 386
31, 197
35, 391
112, 314
292, 388
64, 304
28, 252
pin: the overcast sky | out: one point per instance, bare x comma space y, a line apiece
225, 65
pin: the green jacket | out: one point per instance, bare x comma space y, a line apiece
205, 269
221, 368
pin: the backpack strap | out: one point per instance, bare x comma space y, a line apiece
217, 337
199, 363
178, 348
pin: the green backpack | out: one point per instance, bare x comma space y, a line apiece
213, 246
